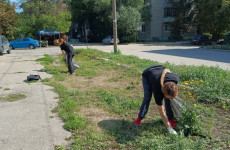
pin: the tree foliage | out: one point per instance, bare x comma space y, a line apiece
7, 18
128, 19
184, 16
98, 14
213, 16
40, 14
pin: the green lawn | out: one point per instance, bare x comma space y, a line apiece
101, 100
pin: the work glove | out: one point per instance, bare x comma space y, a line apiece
172, 123
172, 131
138, 121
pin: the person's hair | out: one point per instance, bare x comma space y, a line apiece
61, 40
170, 89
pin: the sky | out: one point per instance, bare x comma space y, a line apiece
17, 6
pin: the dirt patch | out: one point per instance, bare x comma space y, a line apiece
100, 82
96, 115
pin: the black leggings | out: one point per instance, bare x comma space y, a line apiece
147, 98
69, 62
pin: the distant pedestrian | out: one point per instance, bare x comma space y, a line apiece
68, 53
160, 82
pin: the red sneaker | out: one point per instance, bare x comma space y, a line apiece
172, 123
138, 121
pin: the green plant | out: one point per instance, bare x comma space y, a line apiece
74, 122
59, 147
46, 80
190, 123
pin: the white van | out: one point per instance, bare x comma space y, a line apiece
4, 45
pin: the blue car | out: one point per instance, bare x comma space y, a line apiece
24, 42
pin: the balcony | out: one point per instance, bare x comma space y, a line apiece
168, 19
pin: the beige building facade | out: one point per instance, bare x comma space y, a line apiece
158, 28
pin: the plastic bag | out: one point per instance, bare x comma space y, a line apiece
33, 77
177, 106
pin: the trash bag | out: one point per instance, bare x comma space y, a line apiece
74, 64
177, 106
33, 77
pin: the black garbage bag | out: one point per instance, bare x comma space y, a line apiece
33, 77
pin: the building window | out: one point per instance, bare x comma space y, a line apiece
167, 28
169, 12
143, 29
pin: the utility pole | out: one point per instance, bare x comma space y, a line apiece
114, 26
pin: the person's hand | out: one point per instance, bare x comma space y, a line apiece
138, 121
172, 131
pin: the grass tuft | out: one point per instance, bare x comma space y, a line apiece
13, 97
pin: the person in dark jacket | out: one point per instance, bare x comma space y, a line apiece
68, 53
151, 83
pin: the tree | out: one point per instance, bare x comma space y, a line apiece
7, 18
43, 14
98, 15
213, 16
183, 19
128, 19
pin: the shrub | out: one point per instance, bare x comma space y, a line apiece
227, 38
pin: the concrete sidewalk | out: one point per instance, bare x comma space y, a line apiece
27, 124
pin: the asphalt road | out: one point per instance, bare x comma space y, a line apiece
177, 53
27, 124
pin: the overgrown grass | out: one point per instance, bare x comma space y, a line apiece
112, 83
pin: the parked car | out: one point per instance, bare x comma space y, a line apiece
4, 45
109, 40
201, 39
24, 42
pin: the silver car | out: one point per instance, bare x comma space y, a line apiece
4, 45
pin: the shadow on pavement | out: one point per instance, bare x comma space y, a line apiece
204, 54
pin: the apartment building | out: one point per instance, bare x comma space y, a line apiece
158, 28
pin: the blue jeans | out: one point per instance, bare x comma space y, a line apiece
147, 98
